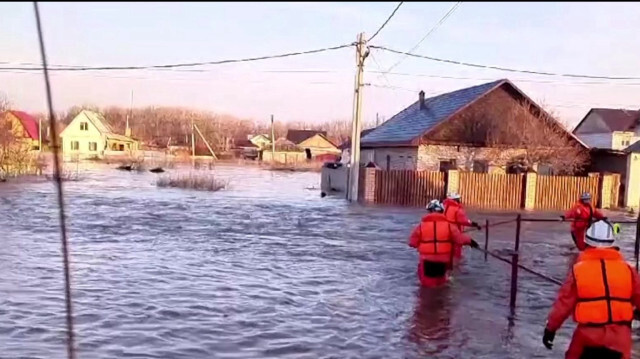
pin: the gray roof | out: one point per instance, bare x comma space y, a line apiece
635, 147
412, 122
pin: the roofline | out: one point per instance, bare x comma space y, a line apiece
416, 140
524, 95
581, 121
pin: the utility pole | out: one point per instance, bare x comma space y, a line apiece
127, 129
193, 145
356, 127
273, 142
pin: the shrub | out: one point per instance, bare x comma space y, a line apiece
196, 181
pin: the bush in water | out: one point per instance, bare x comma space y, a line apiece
201, 182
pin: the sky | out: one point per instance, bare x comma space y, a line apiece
584, 38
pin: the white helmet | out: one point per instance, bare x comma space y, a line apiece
601, 234
454, 196
435, 206
586, 196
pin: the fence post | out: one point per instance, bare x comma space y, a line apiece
530, 190
486, 240
637, 245
453, 181
514, 265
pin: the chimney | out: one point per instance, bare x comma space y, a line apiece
421, 99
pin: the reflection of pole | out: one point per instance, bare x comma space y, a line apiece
193, 145
354, 169
273, 141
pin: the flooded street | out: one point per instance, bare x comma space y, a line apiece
264, 269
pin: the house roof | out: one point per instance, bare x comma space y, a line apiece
297, 136
408, 126
411, 123
29, 123
347, 144
614, 119
243, 142
635, 147
101, 125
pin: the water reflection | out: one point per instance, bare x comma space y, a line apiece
430, 326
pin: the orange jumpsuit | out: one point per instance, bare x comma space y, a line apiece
582, 215
434, 238
586, 308
455, 214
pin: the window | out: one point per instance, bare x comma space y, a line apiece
93, 146
75, 145
84, 126
480, 167
448, 165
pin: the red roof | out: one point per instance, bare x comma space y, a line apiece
29, 123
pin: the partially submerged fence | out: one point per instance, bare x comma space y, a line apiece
408, 188
495, 191
483, 190
514, 261
553, 192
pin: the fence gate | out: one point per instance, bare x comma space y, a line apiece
409, 188
495, 191
561, 192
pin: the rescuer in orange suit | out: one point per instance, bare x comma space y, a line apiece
434, 239
583, 214
601, 291
454, 211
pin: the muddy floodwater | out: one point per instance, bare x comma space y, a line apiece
264, 269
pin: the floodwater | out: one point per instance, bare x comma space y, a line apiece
265, 269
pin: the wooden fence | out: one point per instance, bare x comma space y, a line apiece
408, 188
559, 192
495, 191
482, 190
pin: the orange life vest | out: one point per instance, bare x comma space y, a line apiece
605, 287
436, 235
451, 212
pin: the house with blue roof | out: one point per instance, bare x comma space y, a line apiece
491, 127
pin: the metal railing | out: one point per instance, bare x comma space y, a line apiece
515, 256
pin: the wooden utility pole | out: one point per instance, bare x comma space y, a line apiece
356, 127
39, 134
273, 142
193, 144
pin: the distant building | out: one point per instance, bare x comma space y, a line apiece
24, 127
613, 136
345, 147
88, 135
261, 141
313, 142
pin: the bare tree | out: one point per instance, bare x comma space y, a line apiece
532, 135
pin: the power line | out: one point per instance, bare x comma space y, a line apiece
499, 68
436, 26
179, 65
550, 82
386, 21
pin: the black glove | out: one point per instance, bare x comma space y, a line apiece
563, 218
636, 314
475, 224
548, 337
474, 244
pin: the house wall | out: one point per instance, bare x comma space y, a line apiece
428, 157
632, 199
621, 140
73, 133
318, 145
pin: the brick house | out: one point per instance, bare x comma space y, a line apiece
488, 128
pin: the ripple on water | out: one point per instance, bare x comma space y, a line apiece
266, 269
